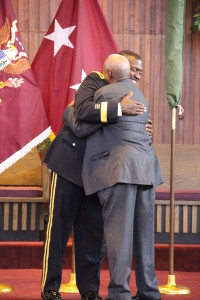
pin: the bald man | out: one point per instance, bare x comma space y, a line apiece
121, 166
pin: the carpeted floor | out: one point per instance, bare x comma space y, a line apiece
28, 255
26, 284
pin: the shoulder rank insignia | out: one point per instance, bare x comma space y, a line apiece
99, 73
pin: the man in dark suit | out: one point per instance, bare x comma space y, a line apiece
68, 205
120, 164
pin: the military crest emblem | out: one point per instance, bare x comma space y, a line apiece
13, 58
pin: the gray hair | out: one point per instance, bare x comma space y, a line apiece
118, 65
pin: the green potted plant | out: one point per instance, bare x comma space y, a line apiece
196, 17
43, 147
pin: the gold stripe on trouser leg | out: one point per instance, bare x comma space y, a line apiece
104, 108
48, 233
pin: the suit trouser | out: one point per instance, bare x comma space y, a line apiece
128, 211
66, 209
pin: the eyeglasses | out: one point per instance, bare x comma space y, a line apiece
136, 71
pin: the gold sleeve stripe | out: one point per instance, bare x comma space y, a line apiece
104, 109
99, 73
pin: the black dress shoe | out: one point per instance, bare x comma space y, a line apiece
91, 296
51, 295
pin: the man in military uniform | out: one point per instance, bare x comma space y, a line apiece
68, 205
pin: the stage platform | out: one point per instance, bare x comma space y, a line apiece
28, 255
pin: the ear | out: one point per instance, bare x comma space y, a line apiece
109, 74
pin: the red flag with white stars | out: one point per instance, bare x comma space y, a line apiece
23, 120
77, 42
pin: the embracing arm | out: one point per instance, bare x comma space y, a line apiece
99, 113
85, 107
87, 110
80, 129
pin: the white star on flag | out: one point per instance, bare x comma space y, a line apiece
76, 86
60, 36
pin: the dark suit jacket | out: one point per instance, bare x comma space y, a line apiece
120, 152
65, 155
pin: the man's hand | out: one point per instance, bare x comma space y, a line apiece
149, 128
131, 107
71, 103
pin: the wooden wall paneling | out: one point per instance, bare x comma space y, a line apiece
33, 45
158, 107
162, 98
153, 19
24, 216
6, 216
124, 9
141, 52
188, 15
104, 7
147, 17
23, 16
126, 41
185, 219
44, 15
15, 6
158, 17
142, 17
167, 218
119, 42
186, 97
41, 218
152, 75
176, 218
180, 126
116, 36
34, 22
131, 17
166, 134
163, 16
136, 20
53, 8
110, 13
136, 44
41, 36
166, 120
158, 218
196, 87
191, 99
33, 216
115, 18
194, 219
146, 69
34, 27
15, 216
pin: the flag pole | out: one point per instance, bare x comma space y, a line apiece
171, 288
172, 185
5, 288
71, 287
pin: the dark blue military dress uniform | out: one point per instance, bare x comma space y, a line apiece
68, 205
